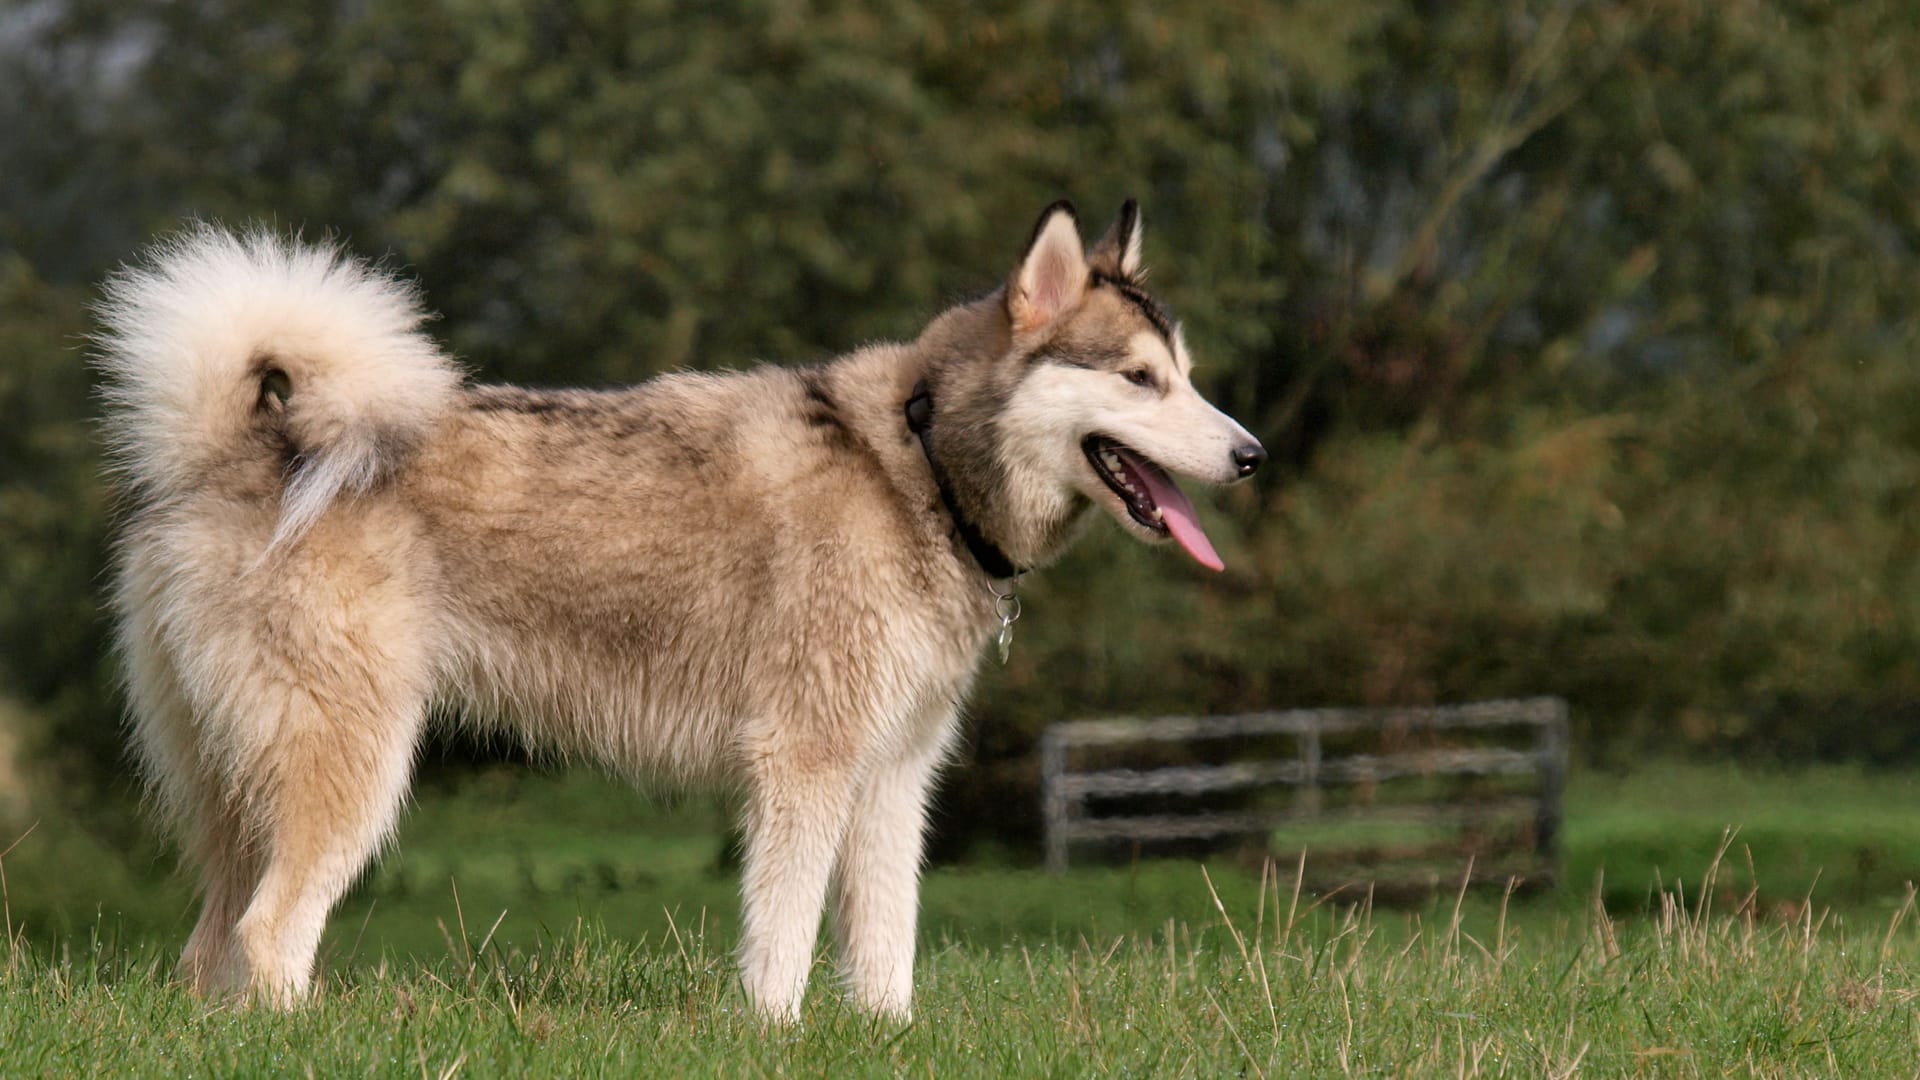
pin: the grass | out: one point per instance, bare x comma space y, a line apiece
612, 955
1284, 989
1850, 837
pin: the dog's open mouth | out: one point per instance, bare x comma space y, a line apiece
1151, 497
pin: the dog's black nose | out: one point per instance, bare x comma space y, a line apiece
1248, 458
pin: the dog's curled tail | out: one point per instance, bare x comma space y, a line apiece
223, 349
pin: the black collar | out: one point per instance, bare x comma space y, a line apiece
984, 551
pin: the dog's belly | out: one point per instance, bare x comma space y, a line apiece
665, 671
645, 661
666, 715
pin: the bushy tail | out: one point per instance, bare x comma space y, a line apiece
220, 349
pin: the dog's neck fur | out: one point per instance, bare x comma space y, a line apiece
919, 413
963, 358
972, 374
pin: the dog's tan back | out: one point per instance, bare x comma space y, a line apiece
681, 576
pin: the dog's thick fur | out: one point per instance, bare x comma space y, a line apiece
752, 579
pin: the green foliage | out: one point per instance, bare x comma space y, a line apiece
607, 192
1582, 332
53, 517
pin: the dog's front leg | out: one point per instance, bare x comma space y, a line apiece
879, 883
796, 812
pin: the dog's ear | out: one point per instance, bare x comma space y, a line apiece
1117, 254
1053, 277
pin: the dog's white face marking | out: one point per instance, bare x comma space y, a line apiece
1150, 349
1103, 433
1060, 406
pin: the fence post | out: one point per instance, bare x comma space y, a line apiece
1309, 801
1053, 769
1552, 747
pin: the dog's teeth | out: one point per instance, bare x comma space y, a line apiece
1158, 515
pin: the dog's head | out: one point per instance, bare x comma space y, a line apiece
1105, 407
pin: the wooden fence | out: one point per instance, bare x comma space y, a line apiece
1373, 748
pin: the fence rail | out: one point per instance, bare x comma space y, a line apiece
1310, 771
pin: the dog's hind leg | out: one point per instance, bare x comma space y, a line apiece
336, 778
217, 840
797, 803
200, 808
878, 881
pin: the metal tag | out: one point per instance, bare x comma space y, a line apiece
1007, 606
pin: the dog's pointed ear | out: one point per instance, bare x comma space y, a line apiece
1118, 252
1052, 278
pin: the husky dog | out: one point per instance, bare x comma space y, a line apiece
780, 579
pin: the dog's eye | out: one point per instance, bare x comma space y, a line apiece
1138, 377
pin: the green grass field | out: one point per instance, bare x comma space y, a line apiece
563, 925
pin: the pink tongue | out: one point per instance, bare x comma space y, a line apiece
1177, 512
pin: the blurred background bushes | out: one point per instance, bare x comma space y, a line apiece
1582, 332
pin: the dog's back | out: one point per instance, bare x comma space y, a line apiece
640, 575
